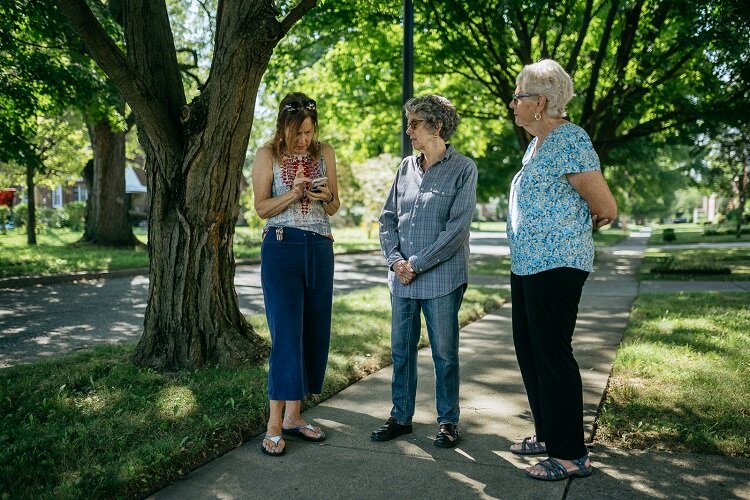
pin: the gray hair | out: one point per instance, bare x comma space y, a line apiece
438, 113
548, 78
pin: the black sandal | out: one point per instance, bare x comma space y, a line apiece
447, 436
529, 446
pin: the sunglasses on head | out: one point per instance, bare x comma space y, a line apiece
294, 107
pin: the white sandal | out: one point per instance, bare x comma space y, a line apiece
275, 440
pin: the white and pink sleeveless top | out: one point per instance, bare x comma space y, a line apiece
304, 214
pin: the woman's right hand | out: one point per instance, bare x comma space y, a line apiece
404, 271
300, 182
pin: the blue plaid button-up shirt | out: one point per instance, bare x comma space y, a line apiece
426, 220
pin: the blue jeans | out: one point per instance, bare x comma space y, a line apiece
441, 317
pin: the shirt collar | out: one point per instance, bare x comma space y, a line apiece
449, 152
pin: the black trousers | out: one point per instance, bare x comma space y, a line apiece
544, 310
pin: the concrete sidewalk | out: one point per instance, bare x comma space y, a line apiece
494, 415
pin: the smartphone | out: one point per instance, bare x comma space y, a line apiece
316, 183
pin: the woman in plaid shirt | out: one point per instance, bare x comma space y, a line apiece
424, 235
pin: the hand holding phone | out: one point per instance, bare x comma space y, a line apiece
316, 183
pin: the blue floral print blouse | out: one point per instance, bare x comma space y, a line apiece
549, 223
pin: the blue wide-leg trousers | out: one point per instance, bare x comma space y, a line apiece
297, 281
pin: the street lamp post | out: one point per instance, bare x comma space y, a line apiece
408, 73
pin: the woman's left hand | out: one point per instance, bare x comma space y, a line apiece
597, 222
404, 272
323, 194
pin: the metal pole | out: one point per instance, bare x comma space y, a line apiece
408, 73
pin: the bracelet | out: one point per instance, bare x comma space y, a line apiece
329, 201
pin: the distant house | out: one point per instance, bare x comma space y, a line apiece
136, 192
59, 195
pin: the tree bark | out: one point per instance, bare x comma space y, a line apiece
31, 205
194, 158
107, 220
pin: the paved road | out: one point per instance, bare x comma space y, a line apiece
47, 320
50, 319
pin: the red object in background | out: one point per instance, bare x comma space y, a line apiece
6, 196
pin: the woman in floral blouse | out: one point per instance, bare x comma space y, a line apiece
556, 199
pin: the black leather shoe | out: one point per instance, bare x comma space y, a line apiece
390, 430
447, 436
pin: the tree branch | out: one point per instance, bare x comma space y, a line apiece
573, 61
151, 112
447, 31
521, 29
294, 15
562, 30
588, 104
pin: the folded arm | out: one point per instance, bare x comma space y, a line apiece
594, 189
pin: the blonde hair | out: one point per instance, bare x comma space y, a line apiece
549, 79
288, 123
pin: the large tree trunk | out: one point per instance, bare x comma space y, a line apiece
193, 317
31, 205
107, 221
194, 158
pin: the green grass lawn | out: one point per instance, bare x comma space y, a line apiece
91, 425
57, 253
607, 237
489, 226
713, 264
695, 233
681, 377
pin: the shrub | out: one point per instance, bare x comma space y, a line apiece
4, 217
75, 213
46, 218
727, 229
20, 215
668, 235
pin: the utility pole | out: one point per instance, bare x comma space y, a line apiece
408, 73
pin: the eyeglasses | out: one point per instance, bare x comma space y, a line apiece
517, 97
413, 124
294, 107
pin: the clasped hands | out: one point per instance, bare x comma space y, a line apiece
404, 272
301, 184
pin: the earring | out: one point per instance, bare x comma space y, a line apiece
537, 116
